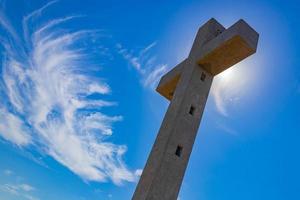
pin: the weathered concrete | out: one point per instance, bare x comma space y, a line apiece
187, 87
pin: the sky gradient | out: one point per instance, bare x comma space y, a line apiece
79, 112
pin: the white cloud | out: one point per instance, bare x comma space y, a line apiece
20, 190
30, 197
11, 189
227, 129
133, 60
144, 63
138, 172
13, 129
5, 24
153, 77
46, 90
8, 172
147, 48
25, 187
32, 16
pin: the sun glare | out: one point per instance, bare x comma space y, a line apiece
234, 77
227, 75
229, 86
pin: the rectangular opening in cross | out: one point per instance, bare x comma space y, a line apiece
192, 110
203, 76
178, 151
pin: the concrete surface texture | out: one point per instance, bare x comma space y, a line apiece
187, 86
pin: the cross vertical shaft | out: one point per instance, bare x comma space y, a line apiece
187, 87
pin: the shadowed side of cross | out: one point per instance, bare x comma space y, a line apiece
215, 51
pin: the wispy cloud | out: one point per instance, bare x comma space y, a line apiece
13, 129
25, 187
227, 129
144, 63
23, 191
32, 16
5, 24
133, 60
138, 172
46, 87
8, 172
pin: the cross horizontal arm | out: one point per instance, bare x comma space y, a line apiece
168, 82
230, 47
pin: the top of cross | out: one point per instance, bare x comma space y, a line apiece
215, 49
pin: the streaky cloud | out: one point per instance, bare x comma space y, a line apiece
47, 86
13, 129
144, 63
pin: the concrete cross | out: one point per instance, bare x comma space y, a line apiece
187, 87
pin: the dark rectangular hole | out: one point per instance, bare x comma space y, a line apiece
192, 110
178, 151
203, 76
218, 32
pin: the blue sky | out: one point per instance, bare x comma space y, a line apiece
79, 112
